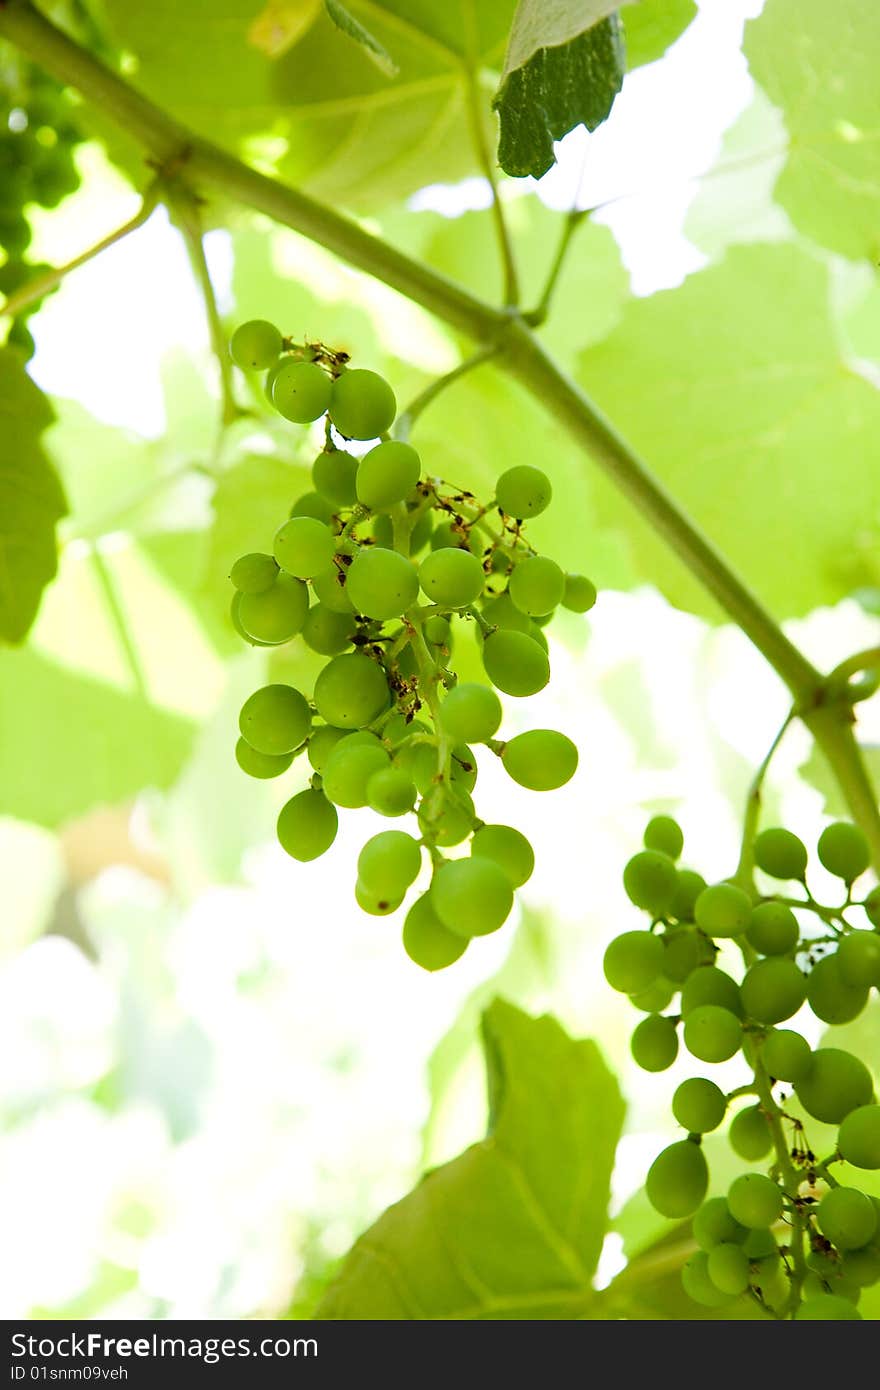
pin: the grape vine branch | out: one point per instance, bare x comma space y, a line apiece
205, 168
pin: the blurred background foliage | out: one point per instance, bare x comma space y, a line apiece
218, 1070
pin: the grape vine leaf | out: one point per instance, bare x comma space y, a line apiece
649, 27
818, 63
31, 500
559, 73
736, 390
815, 771
514, 1226
345, 20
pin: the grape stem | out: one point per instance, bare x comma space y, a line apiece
745, 869
169, 144
537, 316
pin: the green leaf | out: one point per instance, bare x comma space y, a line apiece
513, 1227
818, 63
650, 27
735, 389
550, 85
817, 772
31, 500
345, 20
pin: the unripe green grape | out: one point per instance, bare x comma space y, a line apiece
471, 713
390, 792
387, 474
314, 505
277, 614
375, 903
655, 998
382, 583
330, 589
689, 886
710, 985
425, 939
419, 762
633, 961
509, 849
451, 577
844, 851
540, 760
538, 636
781, 854
307, 825
422, 531
523, 492
261, 765
255, 344
829, 997
447, 816
463, 767
348, 771
787, 1056
677, 1180
449, 536
650, 880
699, 1105
579, 594
872, 906
697, 1285
728, 1268
847, 1217
304, 547
362, 405
383, 530
301, 391
829, 1274
472, 897
351, 691
714, 1225
859, 1137
754, 1201
235, 619
438, 631
537, 585
858, 959
254, 573
827, 1307
275, 719
322, 743
389, 863
326, 632
861, 1268
723, 910
773, 989
836, 1083
398, 729
664, 834
501, 612
686, 950
711, 1033
333, 475
654, 1043
773, 929
749, 1134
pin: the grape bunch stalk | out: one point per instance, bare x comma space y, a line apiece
798, 1238
377, 569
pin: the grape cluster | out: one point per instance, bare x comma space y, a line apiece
378, 569
37, 140
795, 1237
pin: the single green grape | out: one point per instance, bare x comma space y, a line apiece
452, 535
773, 929
390, 792
723, 910
781, 854
836, 1083
633, 961
699, 1105
326, 632
654, 1043
537, 586
389, 863
689, 887
872, 906
710, 985
712, 1033
471, 713
362, 404
314, 505
301, 391
523, 492
541, 759
425, 939
830, 998
502, 613
749, 1134
377, 904
333, 475
276, 719
847, 1217
677, 1180
447, 815
277, 614
698, 1286
510, 850
387, 474
451, 577
858, 959
351, 691
254, 573
787, 1056
382, 583
579, 594
650, 880
438, 631
261, 765
657, 997
348, 771
686, 949
827, 1307
859, 1137
235, 619
463, 766
255, 344
304, 547
728, 1268
773, 989
844, 850
714, 1225
472, 897
330, 589
321, 744
307, 825
664, 834
754, 1201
